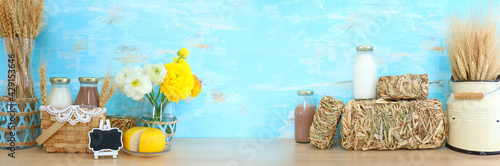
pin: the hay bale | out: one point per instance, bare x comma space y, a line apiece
326, 119
122, 122
409, 86
387, 125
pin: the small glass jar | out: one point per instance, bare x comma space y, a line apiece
59, 95
365, 74
304, 115
88, 96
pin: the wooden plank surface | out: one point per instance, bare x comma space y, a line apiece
196, 151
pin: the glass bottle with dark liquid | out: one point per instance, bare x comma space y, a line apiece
88, 96
304, 115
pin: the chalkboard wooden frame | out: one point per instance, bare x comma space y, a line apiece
107, 151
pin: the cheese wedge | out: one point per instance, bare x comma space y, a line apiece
152, 140
144, 139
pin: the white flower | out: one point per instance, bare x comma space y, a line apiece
137, 85
155, 72
124, 74
121, 76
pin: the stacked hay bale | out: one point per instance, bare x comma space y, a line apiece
326, 119
403, 117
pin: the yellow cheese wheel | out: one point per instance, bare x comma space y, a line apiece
144, 139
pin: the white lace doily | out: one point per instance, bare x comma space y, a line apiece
73, 113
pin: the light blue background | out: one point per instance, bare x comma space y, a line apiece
252, 55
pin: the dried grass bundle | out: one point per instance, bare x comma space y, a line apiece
472, 43
409, 86
326, 119
123, 123
386, 125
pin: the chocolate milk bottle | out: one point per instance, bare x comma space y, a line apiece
88, 96
304, 114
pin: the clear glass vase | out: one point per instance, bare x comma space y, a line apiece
19, 114
160, 116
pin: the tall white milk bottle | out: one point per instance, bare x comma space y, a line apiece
365, 74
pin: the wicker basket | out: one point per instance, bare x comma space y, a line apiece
27, 123
73, 136
67, 129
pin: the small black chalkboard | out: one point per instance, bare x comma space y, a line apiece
101, 139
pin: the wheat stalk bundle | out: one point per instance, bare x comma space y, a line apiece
21, 18
21, 22
107, 90
43, 82
473, 45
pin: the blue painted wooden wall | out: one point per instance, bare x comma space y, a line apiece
252, 55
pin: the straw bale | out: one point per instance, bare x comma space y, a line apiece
390, 125
326, 119
409, 86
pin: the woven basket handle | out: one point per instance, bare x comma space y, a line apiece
469, 95
46, 134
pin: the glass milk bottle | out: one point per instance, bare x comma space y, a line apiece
365, 74
88, 96
59, 95
304, 114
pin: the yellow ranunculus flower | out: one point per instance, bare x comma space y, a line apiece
197, 87
182, 62
183, 52
178, 82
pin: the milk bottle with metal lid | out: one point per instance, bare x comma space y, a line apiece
365, 74
59, 95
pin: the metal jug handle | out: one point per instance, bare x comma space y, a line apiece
469, 95
472, 95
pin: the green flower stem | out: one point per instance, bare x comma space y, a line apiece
152, 94
180, 57
158, 105
156, 98
160, 102
151, 100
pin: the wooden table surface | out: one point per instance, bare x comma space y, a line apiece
191, 151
